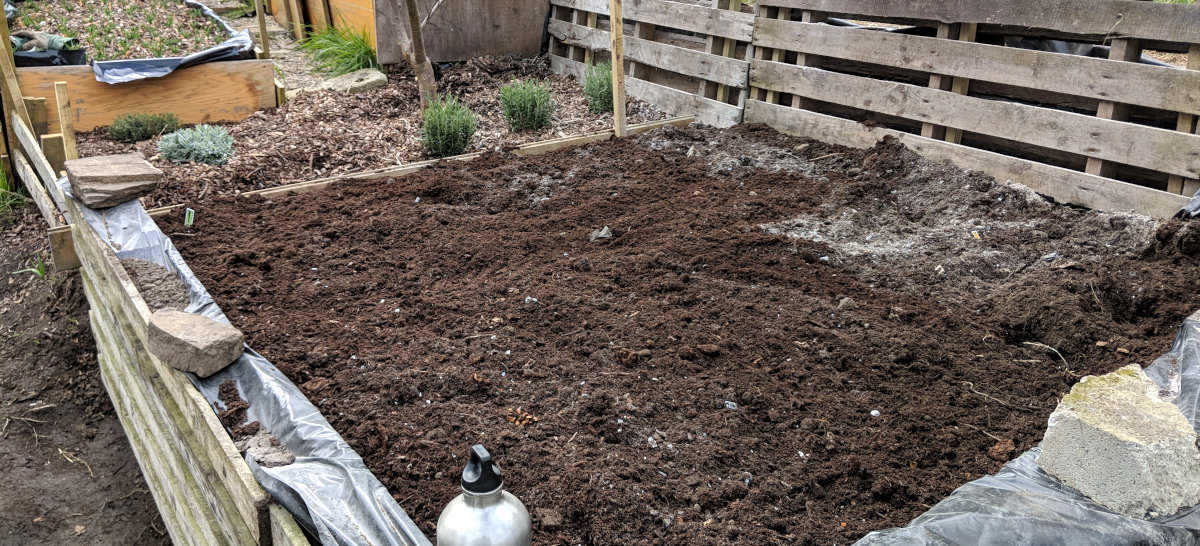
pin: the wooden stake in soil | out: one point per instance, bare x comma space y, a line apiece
262, 29
616, 30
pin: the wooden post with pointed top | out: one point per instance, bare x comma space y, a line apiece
616, 30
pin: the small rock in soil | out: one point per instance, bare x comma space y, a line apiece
602, 233
731, 406
847, 304
550, 520
1002, 451
709, 349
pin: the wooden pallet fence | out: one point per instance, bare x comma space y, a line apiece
668, 49
927, 86
203, 488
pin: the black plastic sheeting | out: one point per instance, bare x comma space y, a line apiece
328, 488
238, 46
1021, 504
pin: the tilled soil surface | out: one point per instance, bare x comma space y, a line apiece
69, 474
323, 133
782, 341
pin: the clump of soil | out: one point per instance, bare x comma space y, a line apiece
234, 414
782, 341
158, 286
249, 437
322, 133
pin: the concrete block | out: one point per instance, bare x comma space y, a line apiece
109, 180
1115, 440
356, 82
193, 343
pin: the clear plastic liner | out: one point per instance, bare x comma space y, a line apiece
1021, 504
238, 46
328, 488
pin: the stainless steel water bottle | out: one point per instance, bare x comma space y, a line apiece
484, 514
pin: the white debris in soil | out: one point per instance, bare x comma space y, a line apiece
266, 450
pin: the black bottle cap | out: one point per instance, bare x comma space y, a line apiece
481, 475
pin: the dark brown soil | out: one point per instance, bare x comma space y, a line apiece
159, 287
323, 133
711, 373
69, 474
233, 416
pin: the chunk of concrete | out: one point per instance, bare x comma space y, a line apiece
266, 450
109, 180
1115, 440
193, 343
356, 82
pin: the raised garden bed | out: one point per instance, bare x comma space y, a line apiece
321, 134
711, 373
115, 29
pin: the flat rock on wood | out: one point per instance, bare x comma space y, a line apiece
109, 180
1113, 439
193, 343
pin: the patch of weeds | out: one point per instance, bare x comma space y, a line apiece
598, 88
39, 269
337, 51
138, 127
202, 143
447, 127
526, 105
9, 198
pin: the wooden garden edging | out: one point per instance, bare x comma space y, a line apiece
225, 91
1110, 134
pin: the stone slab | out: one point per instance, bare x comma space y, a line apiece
109, 180
193, 343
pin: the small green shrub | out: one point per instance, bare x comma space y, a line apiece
338, 50
448, 126
203, 143
526, 105
138, 127
597, 87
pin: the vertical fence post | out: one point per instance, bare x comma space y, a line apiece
616, 31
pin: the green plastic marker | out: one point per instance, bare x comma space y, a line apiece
189, 216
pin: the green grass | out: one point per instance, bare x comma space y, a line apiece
447, 127
9, 198
337, 51
526, 105
598, 88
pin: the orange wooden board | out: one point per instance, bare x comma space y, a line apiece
224, 91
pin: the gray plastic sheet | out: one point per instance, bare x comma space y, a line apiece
328, 489
238, 46
1021, 504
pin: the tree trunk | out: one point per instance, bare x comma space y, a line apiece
414, 52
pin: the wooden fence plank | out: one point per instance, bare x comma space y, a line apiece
1063, 185
284, 529
1131, 83
65, 125
1088, 18
38, 193
1122, 50
731, 72
55, 150
692, 18
46, 174
959, 84
1161, 150
1186, 122
225, 91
